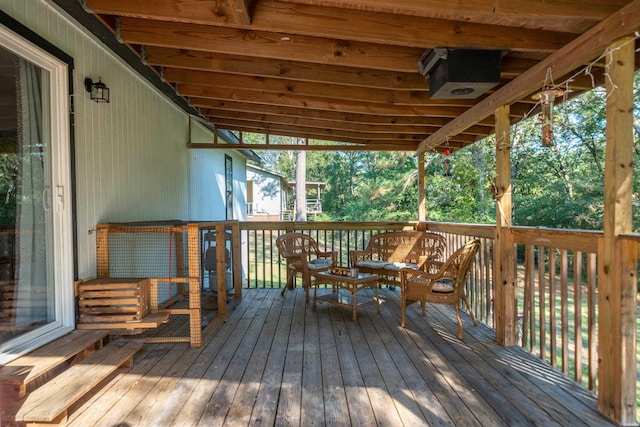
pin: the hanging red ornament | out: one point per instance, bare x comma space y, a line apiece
447, 151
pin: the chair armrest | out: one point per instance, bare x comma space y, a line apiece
328, 254
411, 273
432, 267
355, 256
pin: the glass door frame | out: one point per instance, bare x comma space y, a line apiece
58, 66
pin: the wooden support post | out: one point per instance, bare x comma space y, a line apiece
504, 249
617, 270
422, 208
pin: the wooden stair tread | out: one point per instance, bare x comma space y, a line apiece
26, 370
149, 321
50, 402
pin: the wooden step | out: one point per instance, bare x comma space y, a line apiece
28, 372
50, 403
113, 323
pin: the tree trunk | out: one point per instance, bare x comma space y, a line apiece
301, 184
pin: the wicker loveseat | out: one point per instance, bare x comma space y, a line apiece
388, 252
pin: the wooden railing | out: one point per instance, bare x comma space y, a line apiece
556, 273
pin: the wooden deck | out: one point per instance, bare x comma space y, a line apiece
277, 362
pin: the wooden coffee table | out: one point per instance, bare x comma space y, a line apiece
351, 284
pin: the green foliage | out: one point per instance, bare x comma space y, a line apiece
557, 187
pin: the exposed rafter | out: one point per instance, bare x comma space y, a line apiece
347, 70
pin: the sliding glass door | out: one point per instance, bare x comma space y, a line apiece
36, 281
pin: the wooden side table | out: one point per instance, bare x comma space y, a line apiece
351, 284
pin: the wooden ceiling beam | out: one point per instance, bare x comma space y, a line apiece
328, 133
321, 136
337, 116
279, 68
589, 9
326, 90
269, 45
318, 103
322, 146
303, 71
214, 114
295, 20
580, 51
240, 11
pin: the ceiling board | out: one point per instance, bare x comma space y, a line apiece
347, 70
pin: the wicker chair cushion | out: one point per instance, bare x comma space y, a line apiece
371, 264
314, 264
443, 285
396, 266
320, 263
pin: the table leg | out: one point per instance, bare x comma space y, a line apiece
354, 290
315, 290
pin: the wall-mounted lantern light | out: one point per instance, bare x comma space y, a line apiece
99, 91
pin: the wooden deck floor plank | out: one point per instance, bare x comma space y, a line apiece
515, 388
381, 401
451, 382
91, 410
181, 392
312, 407
336, 408
289, 406
223, 396
266, 405
512, 397
249, 387
159, 396
541, 391
456, 372
143, 387
404, 401
360, 410
427, 359
193, 408
411, 364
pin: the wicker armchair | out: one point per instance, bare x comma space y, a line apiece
303, 257
441, 283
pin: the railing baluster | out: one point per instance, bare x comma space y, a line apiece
577, 318
564, 310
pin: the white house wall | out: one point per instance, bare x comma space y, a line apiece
267, 192
207, 180
131, 159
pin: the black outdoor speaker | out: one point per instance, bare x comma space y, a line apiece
460, 73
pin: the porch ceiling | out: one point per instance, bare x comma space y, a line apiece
346, 70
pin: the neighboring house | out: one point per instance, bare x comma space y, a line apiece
266, 195
270, 197
69, 163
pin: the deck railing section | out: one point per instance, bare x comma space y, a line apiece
264, 268
556, 278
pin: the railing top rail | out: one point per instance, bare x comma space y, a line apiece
329, 226
576, 240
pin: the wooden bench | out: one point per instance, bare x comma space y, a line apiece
28, 372
50, 403
386, 253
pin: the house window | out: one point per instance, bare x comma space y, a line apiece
228, 185
36, 252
